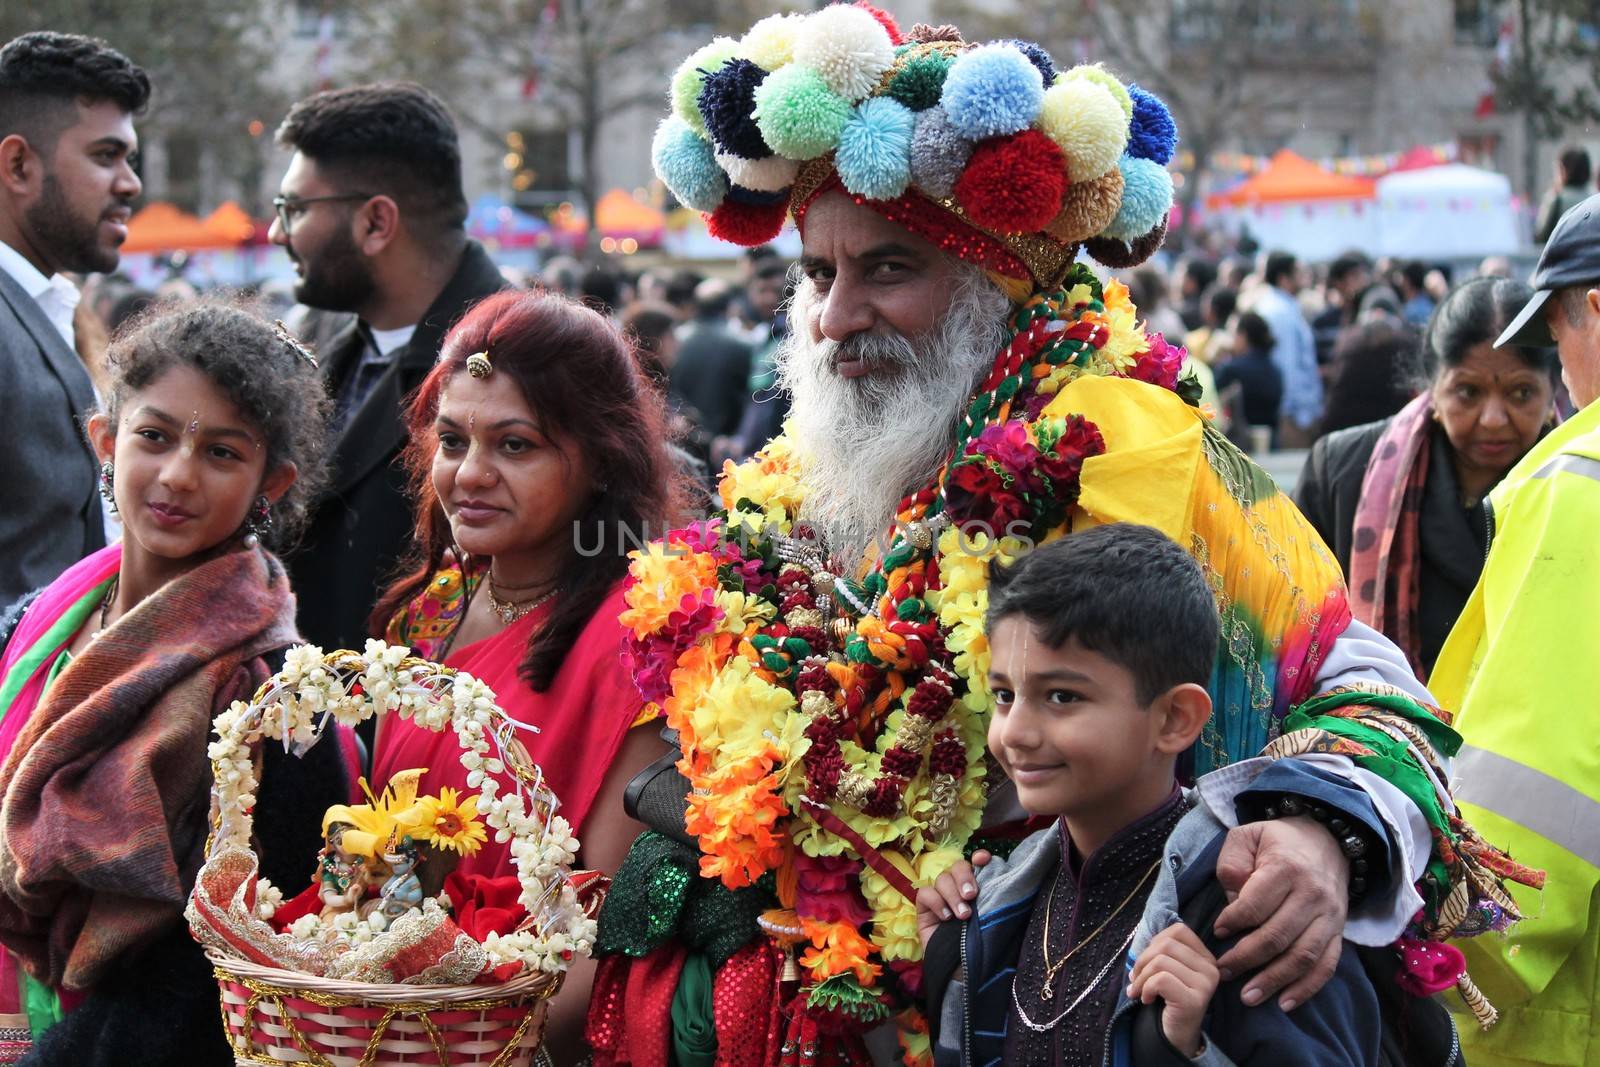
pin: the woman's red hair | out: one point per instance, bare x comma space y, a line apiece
580, 377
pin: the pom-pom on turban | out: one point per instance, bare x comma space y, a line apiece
987, 151
726, 103
684, 161
797, 114
847, 46
991, 91
691, 76
1152, 134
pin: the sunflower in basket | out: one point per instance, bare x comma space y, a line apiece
446, 821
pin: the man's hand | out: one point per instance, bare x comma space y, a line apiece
1177, 967
947, 897
1287, 882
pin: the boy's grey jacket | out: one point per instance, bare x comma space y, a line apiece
1339, 1026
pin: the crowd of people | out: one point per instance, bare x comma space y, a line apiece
970, 582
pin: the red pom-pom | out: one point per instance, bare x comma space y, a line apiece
1014, 184
747, 224
885, 20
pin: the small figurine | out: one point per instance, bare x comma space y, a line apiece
403, 889
343, 876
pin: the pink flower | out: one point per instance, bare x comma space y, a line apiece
1160, 364
1428, 967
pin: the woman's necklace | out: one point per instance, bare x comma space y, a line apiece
1053, 969
509, 611
105, 606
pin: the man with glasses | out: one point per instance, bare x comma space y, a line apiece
372, 214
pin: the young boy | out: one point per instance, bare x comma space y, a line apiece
1101, 645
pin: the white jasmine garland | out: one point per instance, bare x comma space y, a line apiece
293, 704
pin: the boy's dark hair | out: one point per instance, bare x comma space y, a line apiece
1279, 265
1575, 165
394, 138
271, 384
1257, 334
1127, 592
1221, 300
44, 75
1347, 264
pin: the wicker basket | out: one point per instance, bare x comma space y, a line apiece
276, 1016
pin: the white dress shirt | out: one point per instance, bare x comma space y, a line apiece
56, 296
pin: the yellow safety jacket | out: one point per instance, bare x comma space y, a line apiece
1522, 666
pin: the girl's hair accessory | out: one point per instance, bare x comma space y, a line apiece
990, 151
293, 343
478, 365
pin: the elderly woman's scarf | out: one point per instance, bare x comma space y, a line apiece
1386, 552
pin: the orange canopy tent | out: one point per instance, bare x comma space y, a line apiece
233, 224
163, 227
620, 215
1291, 177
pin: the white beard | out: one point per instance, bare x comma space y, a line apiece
865, 442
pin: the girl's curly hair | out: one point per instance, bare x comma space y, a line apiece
272, 382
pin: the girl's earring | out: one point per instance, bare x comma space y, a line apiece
106, 492
258, 522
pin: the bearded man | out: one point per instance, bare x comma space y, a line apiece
372, 214
962, 388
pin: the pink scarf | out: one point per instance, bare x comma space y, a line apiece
57, 598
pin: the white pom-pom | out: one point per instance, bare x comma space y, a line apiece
773, 174
848, 47
769, 44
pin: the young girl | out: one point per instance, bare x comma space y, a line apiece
538, 452
211, 444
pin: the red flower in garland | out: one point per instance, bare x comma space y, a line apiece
1063, 464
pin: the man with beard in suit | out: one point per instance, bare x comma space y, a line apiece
67, 146
372, 213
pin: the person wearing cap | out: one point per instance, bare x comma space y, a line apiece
963, 386
1521, 669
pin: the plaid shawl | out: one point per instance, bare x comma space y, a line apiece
107, 791
1386, 550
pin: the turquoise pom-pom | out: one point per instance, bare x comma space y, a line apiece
1146, 199
992, 91
874, 157
685, 162
798, 115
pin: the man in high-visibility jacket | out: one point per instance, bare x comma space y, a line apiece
1523, 667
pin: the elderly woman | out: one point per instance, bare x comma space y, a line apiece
1401, 501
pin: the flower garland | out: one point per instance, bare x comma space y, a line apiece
829, 719
295, 705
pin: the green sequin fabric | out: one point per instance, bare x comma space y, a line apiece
657, 895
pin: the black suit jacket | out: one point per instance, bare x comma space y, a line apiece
50, 513
362, 526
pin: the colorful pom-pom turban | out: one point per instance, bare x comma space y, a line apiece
989, 151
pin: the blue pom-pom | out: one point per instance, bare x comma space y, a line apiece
1038, 57
874, 156
1146, 199
1152, 134
685, 162
992, 91
740, 195
727, 103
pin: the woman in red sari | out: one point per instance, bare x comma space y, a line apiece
538, 458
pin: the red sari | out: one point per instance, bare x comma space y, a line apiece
582, 718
